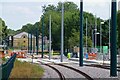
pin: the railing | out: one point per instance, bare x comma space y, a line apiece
5, 69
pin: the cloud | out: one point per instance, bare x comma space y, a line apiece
97, 1
19, 12
24, 10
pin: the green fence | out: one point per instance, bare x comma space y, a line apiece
5, 69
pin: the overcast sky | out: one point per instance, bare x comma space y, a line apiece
17, 13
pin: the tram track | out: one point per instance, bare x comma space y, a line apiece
78, 71
61, 76
103, 67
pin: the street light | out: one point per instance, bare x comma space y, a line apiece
94, 41
101, 23
95, 37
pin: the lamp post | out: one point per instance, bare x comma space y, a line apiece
95, 30
92, 38
94, 33
101, 23
95, 37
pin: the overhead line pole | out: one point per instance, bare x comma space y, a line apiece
50, 37
113, 62
37, 42
62, 33
81, 34
42, 35
109, 31
86, 35
28, 43
95, 31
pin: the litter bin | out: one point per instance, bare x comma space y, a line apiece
86, 55
69, 55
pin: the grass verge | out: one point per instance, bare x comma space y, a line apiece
26, 70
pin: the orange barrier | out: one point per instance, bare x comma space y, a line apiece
2, 54
19, 54
92, 55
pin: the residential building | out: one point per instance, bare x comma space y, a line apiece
20, 41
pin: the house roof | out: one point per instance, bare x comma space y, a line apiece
19, 35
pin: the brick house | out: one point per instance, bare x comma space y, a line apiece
20, 41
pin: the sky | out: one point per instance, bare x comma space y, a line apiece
17, 13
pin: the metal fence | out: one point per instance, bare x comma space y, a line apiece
5, 69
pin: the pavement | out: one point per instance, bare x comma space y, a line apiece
91, 61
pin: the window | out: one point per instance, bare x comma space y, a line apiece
23, 36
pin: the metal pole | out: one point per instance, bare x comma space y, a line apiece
50, 37
95, 31
109, 32
101, 51
113, 65
28, 43
100, 37
62, 33
1, 36
81, 34
86, 35
31, 44
92, 39
101, 41
37, 39
42, 35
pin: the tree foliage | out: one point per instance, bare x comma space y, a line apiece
3, 30
71, 26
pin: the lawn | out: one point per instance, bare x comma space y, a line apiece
26, 70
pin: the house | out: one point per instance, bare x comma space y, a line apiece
21, 41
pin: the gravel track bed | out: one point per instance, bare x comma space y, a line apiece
93, 72
68, 73
49, 72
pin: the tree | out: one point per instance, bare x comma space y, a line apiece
71, 25
3, 30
